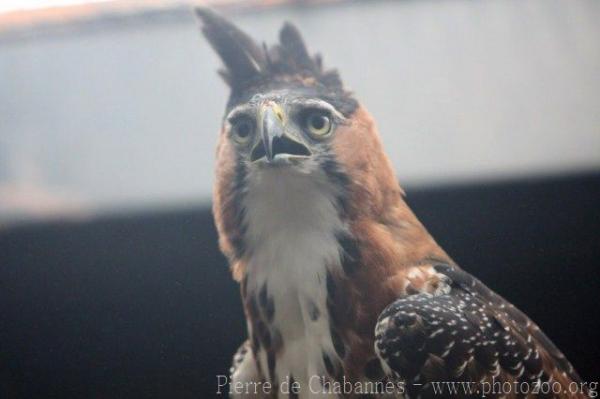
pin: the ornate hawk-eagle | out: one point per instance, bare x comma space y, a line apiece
340, 282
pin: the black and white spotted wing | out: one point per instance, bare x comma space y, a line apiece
467, 334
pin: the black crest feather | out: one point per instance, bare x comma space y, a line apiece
243, 59
250, 67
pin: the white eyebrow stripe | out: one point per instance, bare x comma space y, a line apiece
240, 110
248, 109
312, 102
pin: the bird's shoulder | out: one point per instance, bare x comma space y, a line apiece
449, 326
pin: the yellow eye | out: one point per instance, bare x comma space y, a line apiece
242, 130
318, 124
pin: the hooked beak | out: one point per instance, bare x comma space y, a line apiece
272, 127
273, 139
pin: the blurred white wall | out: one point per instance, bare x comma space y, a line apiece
124, 113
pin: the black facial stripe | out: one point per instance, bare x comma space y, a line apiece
338, 344
351, 254
271, 363
338, 178
328, 364
238, 191
266, 303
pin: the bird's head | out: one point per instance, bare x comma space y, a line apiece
284, 127
287, 114
284, 108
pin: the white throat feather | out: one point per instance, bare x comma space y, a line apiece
292, 222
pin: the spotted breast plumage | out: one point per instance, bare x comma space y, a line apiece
345, 292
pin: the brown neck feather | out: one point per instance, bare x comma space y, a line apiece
389, 233
389, 237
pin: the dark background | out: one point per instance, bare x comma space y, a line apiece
143, 305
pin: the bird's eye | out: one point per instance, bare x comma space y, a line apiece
318, 124
242, 129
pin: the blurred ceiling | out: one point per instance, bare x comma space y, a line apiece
116, 105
